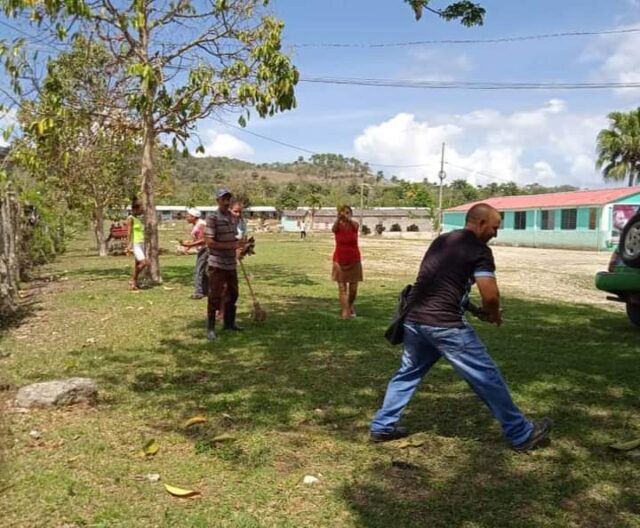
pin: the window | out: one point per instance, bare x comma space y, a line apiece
548, 219
520, 220
568, 219
593, 215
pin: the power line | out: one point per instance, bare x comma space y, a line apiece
475, 171
469, 85
37, 42
541, 36
302, 149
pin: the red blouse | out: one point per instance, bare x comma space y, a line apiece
347, 251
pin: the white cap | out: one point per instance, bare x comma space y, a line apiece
194, 212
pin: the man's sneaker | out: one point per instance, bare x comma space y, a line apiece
395, 434
541, 430
211, 335
197, 296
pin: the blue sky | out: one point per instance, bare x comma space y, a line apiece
546, 137
527, 136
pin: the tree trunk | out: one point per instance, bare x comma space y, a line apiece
9, 272
151, 244
98, 229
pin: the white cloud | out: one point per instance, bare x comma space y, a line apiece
616, 59
548, 145
221, 144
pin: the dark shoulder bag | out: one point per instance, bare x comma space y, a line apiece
395, 332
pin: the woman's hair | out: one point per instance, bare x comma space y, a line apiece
343, 209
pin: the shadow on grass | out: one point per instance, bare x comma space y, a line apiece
182, 274
577, 364
27, 306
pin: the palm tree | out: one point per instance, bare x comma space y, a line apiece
618, 147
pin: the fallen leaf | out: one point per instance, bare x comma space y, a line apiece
152, 477
223, 438
626, 446
180, 492
34, 434
167, 288
415, 440
195, 420
150, 448
310, 480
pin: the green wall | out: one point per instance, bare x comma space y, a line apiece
533, 236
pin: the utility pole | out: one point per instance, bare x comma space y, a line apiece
441, 175
362, 186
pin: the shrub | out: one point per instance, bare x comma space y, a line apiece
395, 228
379, 229
413, 227
365, 230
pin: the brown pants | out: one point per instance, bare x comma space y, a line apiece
218, 278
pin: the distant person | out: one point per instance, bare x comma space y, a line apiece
302, 230
435, 327
347, 265
197, 243
220, 236
135, 242
236, 209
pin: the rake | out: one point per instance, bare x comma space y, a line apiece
258, 313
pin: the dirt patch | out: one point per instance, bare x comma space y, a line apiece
545, 274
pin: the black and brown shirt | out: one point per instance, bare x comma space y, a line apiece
222, 227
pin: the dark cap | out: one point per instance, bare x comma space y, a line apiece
223, 192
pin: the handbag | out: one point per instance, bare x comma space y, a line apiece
395, 331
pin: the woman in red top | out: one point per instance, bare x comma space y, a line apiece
347, 267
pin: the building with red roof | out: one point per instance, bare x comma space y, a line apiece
581, 219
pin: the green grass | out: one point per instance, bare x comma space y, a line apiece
296, 394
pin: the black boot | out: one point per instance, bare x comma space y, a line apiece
211, 327
230, 320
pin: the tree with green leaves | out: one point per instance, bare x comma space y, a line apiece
618, 147
79, 151
313, 202
468, 13
185, 61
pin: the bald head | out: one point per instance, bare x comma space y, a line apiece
481, 211
484, 221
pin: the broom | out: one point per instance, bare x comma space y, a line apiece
258, 313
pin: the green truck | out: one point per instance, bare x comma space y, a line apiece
622, 280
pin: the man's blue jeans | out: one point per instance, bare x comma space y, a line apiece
423, 346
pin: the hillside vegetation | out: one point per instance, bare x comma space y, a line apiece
320, 180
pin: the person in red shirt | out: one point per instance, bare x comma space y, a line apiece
347, 265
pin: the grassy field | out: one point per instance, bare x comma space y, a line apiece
293, 397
